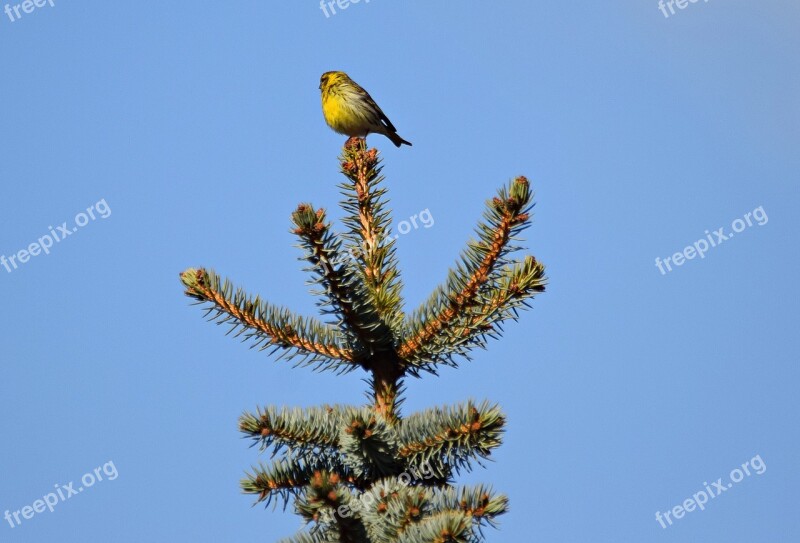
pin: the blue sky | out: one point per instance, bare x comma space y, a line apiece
197, 126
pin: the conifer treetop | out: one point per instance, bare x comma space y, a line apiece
346, 459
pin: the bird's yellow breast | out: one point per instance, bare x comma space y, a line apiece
342, 117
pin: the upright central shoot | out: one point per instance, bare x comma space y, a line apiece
367, 474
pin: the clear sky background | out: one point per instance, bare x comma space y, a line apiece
199, 125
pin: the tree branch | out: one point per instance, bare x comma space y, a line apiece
357, 315
475, 279
369, 229
271, 326
451, 437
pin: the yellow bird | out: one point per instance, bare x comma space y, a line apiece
350, 110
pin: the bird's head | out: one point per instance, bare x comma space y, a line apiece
331, 78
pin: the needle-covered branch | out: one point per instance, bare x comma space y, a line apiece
514, 286
324, 501
297, 430
334, 270
444, 527
390, 506
308, 537
368, 233
369, 446
359, 438
280, 481
394, 505
451, 437
479, 502
267, 325
450, 322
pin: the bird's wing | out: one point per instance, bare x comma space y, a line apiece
381, 115
386, 120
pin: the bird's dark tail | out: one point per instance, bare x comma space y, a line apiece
397, 140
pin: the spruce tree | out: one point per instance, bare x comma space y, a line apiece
368, 474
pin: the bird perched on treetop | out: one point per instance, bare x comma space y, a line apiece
350, 110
